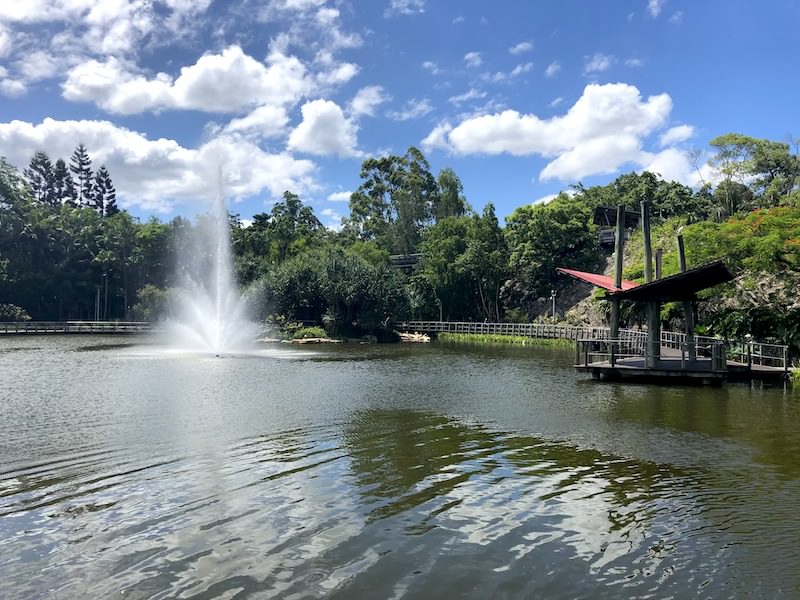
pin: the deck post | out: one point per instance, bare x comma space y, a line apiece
653, 349
619, 245
688, 309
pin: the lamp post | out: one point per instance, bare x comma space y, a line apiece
553, 298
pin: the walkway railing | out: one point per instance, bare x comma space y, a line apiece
708, 355
630, 342
99, 327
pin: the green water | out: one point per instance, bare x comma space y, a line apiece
402, 471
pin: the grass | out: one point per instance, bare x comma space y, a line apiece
309, 332
795, 374
495, 338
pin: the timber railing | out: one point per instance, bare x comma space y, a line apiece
48, 327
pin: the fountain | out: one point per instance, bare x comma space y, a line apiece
212, 317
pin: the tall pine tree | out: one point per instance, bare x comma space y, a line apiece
40, 178
63, 186
105, 196
81, 166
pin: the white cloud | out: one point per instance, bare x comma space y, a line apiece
654, 7
154, 174
521, 47
601, 131
458, 19
555, 102
597, 64
471, 94
226, 82
413, 109
12, 88
545, 199
324, 131
522, 68
5, 41
676, 135
676, 18
553, 68
263, 122
405, 7
437, 139
473, 59
340, 196
634, 62
432, 67
367, 99
331, 218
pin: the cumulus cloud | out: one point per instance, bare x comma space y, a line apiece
551, 70
225, 82
654, 7
601, 131
324, 131
405, 7
340, 196
521, 47
521, 68
367, 99
676, 18
437, 138
676, 135
155, 174
262, 123
473, 59
471, 94
432, 67
597, 63
413, 109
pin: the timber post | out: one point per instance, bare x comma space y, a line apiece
688, 309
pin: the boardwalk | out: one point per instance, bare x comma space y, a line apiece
714, 360
62, 327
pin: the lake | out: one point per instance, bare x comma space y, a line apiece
384, 471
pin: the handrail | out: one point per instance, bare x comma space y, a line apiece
44, 327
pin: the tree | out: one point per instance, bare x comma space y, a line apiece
450, 201
104, 196
63, 186
41, 178
543, 237
81, 167
394, 202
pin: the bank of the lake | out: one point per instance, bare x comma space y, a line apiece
384, 470
493, 339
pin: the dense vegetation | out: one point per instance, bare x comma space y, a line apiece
68, 252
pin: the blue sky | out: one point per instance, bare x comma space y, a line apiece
522, 99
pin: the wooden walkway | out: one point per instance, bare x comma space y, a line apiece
85, 327
715, 359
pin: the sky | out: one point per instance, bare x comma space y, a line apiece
522, 99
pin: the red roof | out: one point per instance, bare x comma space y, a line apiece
603, 281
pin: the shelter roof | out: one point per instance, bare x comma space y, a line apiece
678, 287
681, 286
603, 281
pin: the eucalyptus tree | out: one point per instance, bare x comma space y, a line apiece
394, 202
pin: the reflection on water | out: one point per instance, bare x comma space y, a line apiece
418, 472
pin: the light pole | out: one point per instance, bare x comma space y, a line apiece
553, 298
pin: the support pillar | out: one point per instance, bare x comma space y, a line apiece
653, 350
688, 309
619, 245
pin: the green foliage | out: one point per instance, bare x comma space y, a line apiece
305, 333
543, 237
496, 338
13, 314
154, 303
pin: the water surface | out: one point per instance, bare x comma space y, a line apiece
416, 471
